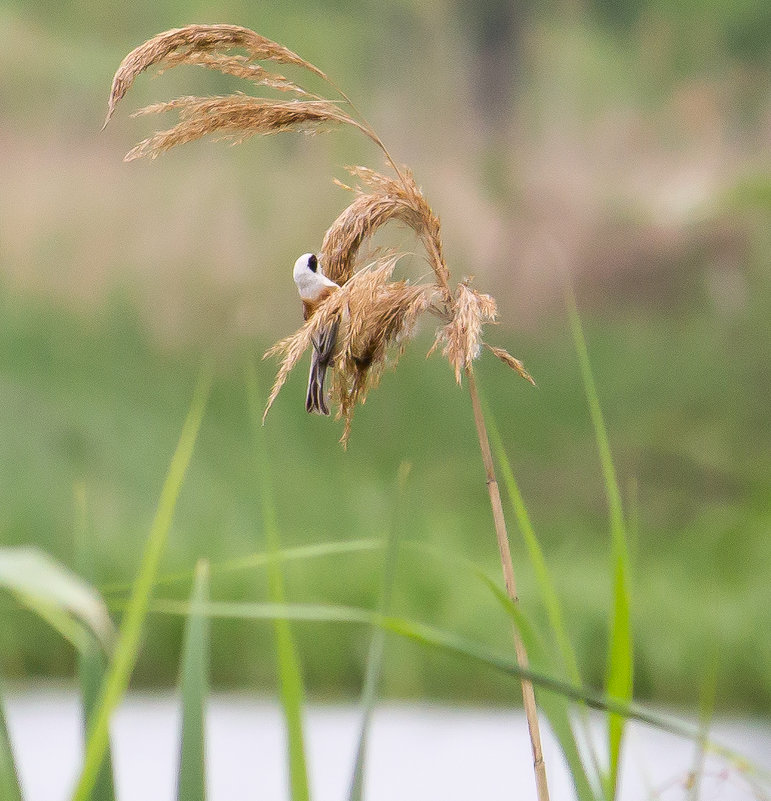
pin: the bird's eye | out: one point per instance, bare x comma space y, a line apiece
313, 263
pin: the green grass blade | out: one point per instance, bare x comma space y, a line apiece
91, 668
555, 706
127, 649
558, 717
191, 779
261, 559
58, 619
619, 680
376, 644
92, 664
428, 636
620, 676
290, 679
545, 582
10, 790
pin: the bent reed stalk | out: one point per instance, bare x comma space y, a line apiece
528, 693
379, 314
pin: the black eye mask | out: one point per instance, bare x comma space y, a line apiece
313, 263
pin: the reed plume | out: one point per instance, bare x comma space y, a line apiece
234, 117
193, 43
382, 200
375, 314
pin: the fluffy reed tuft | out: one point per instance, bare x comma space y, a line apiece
185, 45
462, 335
385, 199
235, 117
374, 313
238, 67
511, 361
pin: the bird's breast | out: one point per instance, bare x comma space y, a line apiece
311, 304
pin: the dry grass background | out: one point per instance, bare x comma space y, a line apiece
613, 186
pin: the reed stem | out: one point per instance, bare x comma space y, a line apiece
528, 695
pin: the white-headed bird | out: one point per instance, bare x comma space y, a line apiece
314, 287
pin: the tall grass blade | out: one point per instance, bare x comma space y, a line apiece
191, 778
555, 706
92, 664
558, 717
91, 668
262, 558
376, 644
290, 679
127, 650
58, 619
545, 582
429, 636
10, 790
619, 677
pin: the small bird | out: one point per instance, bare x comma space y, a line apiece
314, 287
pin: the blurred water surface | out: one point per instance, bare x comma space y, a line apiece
416, 752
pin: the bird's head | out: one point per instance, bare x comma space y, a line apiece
309, 277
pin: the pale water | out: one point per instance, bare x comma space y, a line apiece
416, 752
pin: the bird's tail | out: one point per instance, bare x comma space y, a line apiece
315, 402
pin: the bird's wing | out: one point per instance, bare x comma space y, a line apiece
325, 342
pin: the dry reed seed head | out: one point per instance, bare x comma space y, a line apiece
462, 336
375, 313
236, 117
186, 42
238, 67
380, 314
512, 362
387, 199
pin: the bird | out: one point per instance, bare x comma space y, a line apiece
314, 287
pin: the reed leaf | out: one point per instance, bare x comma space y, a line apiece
546, 584
92, 664
56, 594
194, 689
261, 559
127, 650
548, 590
91, 671
619, 680
376, 643
291, 689
429, 636
555, 706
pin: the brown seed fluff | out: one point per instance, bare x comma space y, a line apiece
374, 313
462, 335
238, 67
236, 117
194, 39
386, 199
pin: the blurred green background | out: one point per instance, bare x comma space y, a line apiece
625, 142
